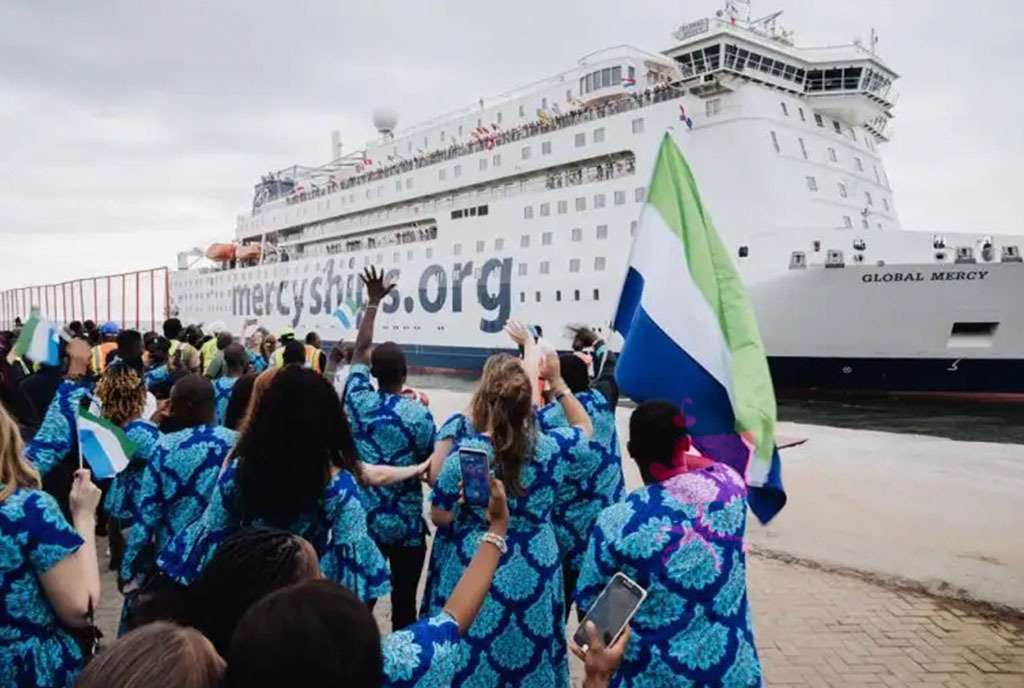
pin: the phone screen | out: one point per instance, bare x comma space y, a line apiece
476, 476
612, 610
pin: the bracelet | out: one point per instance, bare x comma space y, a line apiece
372, 305
496, 540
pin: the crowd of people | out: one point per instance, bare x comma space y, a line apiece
485, 138
275, 495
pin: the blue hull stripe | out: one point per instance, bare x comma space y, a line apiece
802, 375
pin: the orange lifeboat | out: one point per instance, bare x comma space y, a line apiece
248, 252
221, 252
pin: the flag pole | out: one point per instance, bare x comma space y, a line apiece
78, 435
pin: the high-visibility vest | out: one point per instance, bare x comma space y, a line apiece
207, 353
312, 358
98, 361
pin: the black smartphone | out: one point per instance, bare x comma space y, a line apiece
476, 475
615, 606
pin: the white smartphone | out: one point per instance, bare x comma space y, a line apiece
612, 611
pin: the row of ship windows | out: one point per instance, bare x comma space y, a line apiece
838, 128
576, 296
580, 204
546, 239
575, 265
812, 185
833, 156
579, 141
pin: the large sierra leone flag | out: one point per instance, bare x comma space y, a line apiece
691, 337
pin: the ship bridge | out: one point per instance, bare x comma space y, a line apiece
849, 83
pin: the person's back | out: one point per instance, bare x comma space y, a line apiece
519, 638
681, 538
43, 571
295, 472
593, 480
234, 362
391, 430
177, 482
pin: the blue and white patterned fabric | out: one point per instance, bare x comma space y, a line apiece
591, 483
390, 430
518, 637
257, 361
56, 435
156, 376
175, 488
35, 650
455, 428
423, 655
682, 540
222, 388
336, 528
124, 490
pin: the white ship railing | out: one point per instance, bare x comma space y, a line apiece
638, 101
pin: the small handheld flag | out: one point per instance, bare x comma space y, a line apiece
39, 340
691, 336
628, 81
346, 314
104, 445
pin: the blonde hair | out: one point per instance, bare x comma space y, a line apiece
15, 470
157, 654
122, 394
502, 405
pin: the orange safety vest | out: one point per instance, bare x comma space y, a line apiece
313, 358
98, 361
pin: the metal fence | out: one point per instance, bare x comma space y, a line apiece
140, 299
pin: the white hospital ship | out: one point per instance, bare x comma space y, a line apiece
525, 204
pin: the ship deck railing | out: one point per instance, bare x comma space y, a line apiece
546, 125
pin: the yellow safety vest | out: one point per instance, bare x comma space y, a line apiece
312, 358
98, 361
207, 353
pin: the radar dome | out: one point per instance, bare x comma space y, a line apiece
385, 120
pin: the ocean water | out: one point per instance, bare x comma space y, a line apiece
957, 421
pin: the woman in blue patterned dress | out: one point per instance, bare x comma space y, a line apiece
296, 470
179, 478
49, 576
122, 397
455, 428
323, 633
519, 636
592, 482
681, 538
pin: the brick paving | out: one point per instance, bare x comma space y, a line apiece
824, 629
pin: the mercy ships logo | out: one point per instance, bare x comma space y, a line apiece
340, 294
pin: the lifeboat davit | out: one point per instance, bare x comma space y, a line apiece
221, 252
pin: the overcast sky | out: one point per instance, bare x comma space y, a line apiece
130, 132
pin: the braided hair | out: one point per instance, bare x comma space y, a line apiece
247, 566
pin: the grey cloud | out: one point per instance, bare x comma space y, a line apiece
153, 119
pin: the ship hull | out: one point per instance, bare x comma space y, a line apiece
971, 380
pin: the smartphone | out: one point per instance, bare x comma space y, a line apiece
612, 611
476, 475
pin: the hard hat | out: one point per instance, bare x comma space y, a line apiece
109, 328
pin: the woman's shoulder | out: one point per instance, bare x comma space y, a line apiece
25, 505
341, 487
142, 428
455, 427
